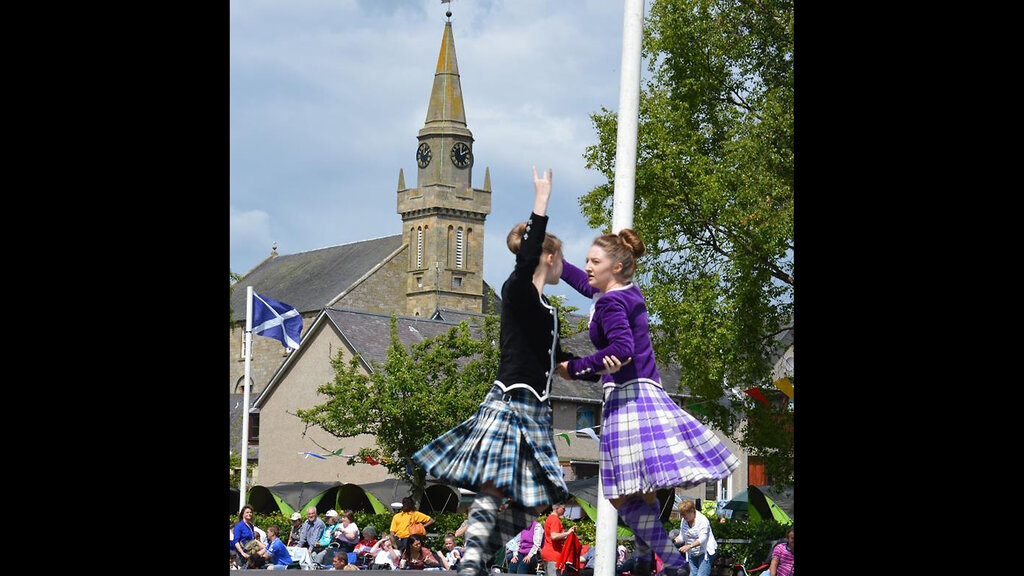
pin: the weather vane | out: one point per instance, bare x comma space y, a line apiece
449, 12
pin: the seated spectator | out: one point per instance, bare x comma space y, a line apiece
346, 534
323, 552
276, 553
524, 549
385, 556
311, 532
587, 561
452, 553
293, 536
261, 535
340, 562
364, 555
782, 557
418, 557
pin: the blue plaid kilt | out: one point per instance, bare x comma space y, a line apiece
509, 442
648, 443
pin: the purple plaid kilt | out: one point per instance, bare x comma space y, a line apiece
649, 443
509, 441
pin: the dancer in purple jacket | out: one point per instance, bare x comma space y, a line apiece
647, 441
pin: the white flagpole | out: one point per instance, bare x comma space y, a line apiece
622, 217
247, 340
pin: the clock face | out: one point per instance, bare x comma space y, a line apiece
462, 156
423, 155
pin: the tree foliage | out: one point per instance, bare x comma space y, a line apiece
567, 326
413, 397
714, 194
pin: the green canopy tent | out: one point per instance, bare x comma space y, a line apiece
379, 496
758, 506
288, 497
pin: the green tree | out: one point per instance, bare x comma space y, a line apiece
714, 197
567, 326
235, 462
413, 397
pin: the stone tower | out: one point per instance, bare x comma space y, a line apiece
443, 216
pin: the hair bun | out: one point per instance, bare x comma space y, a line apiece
631, 240
515, 237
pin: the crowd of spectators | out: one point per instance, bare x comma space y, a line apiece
543, 548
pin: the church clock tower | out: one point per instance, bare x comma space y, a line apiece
443, 216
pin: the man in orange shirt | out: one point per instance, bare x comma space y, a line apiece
554, 537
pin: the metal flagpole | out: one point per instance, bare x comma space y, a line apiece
247, 340
622, 217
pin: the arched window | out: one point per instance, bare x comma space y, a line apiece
419, 248
449, 246
459, 247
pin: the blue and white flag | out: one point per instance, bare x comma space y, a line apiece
276, 320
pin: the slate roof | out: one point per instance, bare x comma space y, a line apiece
368, 332
311, 280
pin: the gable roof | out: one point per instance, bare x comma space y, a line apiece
311, 280
366, 334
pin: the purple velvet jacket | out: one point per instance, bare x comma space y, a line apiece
618, 327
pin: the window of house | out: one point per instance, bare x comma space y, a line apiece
254, 428
456, 281
419, 281
718, 490
585, 418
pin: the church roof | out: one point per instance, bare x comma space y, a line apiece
446, 110
312, 280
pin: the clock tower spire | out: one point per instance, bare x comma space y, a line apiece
443, 217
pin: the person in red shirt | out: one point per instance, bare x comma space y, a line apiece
554, 537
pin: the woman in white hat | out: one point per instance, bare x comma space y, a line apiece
293, 537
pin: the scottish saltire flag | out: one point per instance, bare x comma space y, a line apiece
276, 320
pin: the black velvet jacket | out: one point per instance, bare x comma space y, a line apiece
529, 323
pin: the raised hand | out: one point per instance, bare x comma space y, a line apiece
542, 191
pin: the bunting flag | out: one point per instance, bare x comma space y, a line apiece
566, 436
756, 394
786, 385
340, 453
590, 432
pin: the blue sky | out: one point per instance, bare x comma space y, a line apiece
327, 97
